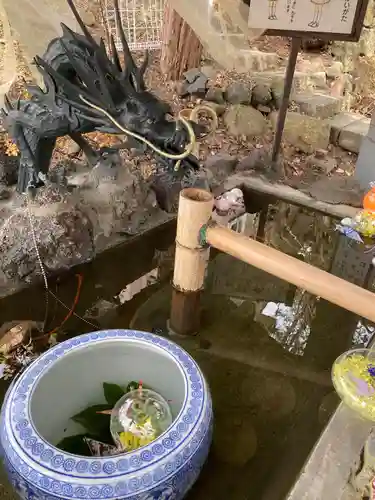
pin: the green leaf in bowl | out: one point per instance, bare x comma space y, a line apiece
112, 393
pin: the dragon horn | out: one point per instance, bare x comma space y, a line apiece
145, 63
103, 84
70, 87
88, 77
8, 104
82, 25
131, 71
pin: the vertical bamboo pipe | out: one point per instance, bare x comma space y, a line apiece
194, 211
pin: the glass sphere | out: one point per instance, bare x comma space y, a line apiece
138, 418
353, 376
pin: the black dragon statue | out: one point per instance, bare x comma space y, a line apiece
87, 89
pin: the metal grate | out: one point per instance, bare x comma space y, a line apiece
142, 21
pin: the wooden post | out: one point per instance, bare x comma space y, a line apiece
195, 209
181, 48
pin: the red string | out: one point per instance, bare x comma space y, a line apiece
74, 305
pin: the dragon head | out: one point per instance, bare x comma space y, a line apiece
113, 97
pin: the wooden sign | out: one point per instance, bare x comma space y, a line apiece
326, 19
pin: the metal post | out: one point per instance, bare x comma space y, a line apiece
296, 45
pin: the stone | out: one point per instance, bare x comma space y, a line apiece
73, 149
337, 190
335, 70
238, 93
259, 159
348, 130
306, 133
245, 120
215, 95
314, 44
63, 232
302, 82
209, 71
123, 203
348, 53
369, 20
313, 65
102, 311
192, 74
317, 104
366, 44
5, 193
182, 89
8, 169
266, 110
167, 194
199, 86
220, 166
261, 95
256, 60
319, 79
218, 108
324, 163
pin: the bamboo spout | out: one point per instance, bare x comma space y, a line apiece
195, 208
314, 280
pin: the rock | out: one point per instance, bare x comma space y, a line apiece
337, 190
314, 44
319, 79
301, 83
259, 159
167, 193
210, 72
244, 120
238, 93
215, 95
218, 108
198, 87
313, 65
102, 311
8, 169
256, 60
73, 149
266, 110
335, 70
87, 17
192, 75
5, 193
120, 204
304, 132
348, 53
369, 20
220, 166
64, 235
182, 89
366, 44
348, 130
318, 105
322, 162
261, 95
235, 440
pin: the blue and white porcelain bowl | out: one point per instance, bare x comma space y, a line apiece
67, 379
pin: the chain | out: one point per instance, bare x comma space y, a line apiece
44, 274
